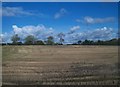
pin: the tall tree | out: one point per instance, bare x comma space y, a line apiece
61, 37
15, 38
30, 39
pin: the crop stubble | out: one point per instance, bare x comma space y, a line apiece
60, 65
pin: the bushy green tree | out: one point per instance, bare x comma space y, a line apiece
50, 40
29, 40
79, 42
39, 42
87, 42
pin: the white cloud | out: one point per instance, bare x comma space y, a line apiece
15, 11
97, 34
73, 29
42, 32
19, 11
5, 37
1, 38
91, 20
61, 13
39, 31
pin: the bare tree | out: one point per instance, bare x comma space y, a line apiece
15, 38
61, 37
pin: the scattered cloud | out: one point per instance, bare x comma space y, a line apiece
60, 14
97, 34
74, 29
78, 20
19, 11
42, 32
15, 11
91, 20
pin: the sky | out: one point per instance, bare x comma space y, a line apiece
77, 20
60, 0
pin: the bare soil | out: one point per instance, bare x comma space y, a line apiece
60, 65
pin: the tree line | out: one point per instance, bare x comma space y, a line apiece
31, 40
99, 42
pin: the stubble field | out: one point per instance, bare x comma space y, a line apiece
60, 65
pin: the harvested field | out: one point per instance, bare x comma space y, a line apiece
60, 65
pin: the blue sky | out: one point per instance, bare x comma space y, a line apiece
89, 20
